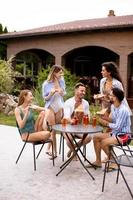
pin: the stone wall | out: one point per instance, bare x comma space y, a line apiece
8, 103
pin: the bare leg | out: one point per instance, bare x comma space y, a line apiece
87, 140
106, 143
52, 119
59, 116
37, 136
97, 139
39, 122
106, 148
69, 144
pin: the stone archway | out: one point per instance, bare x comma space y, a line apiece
86, 63
88, 60
36, 58
29, 62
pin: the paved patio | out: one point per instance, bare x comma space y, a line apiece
21, 182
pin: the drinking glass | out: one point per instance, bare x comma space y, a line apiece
64, 122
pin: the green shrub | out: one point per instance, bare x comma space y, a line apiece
70, 80
6, 78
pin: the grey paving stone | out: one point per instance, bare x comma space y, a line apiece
21, 182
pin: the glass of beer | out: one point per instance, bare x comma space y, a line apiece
64, 122
94, 121
76, 120
85, 120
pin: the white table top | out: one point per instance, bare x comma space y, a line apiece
77, 129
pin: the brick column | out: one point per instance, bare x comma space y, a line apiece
58, 59
123, 71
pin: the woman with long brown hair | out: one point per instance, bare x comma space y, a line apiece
25, 119
111, 79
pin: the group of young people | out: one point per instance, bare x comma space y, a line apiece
116, 117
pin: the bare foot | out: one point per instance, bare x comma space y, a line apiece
97, 164
49, 153
113, 166
105, 160
75, 158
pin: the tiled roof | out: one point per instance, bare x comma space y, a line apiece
112, 22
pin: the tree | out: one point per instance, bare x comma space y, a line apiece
5, 30
6, 79
2, 50
1, 29
3, 44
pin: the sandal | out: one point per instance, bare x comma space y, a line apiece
94, 165
75, 158
49, 153
53, 157
111, 168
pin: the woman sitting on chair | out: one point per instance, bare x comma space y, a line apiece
25, 119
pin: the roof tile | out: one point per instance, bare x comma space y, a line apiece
80, 25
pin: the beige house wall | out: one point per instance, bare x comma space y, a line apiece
119, 42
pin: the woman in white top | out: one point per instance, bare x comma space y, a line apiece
111, 79
53, 90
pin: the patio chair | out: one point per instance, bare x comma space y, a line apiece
122, 156
34, 145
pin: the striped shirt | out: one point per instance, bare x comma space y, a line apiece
121, 122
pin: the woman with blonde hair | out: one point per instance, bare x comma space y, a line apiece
25, 119
53, 90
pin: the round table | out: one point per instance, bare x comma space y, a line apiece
76, 129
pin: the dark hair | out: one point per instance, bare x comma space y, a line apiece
78, 85
118, 93
113, 69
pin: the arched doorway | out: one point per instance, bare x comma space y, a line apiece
86, 62
29, 62
130, 75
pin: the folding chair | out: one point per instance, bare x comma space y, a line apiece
122, 156
34, 144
